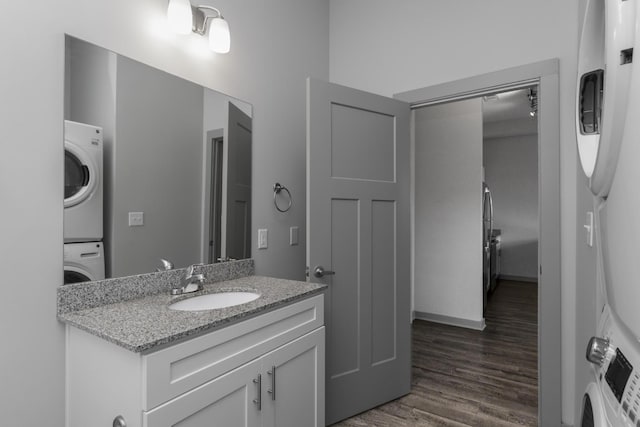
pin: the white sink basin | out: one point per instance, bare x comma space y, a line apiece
213, 301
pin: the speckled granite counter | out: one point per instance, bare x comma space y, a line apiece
144, 323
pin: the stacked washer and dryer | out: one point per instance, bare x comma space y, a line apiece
608, 129
83, 203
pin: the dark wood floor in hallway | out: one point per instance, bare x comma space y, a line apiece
463, 377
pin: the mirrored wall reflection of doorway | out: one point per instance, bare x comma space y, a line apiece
227, 189
215, 148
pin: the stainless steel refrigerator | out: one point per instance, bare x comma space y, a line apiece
487, 235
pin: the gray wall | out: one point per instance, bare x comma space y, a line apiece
511, 172
448, 210
157, 169
267, 66
426, 43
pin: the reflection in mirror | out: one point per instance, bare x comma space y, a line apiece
162, 166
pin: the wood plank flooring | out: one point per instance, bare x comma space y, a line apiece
463, 377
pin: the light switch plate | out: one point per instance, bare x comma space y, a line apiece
136, 219
262, 238
293, 236
589, 229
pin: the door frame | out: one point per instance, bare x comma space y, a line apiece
546, 75
210, 140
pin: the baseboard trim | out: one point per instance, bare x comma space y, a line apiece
518, 278
478, 325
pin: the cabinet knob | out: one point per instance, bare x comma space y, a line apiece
119, 421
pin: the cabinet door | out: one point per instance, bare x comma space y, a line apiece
293, 387
226, 401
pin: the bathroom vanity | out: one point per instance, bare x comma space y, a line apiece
138, 363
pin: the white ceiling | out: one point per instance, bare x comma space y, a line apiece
512, 105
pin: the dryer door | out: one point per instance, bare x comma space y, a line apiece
604, 76
76, 275
80, 175
592, 410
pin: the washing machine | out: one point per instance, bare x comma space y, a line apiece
608, 133
83, 262
83, 182
612, 399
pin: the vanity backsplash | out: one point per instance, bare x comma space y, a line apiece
82, 296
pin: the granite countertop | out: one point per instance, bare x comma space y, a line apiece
143, 324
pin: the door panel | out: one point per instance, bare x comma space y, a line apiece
383, 281
237, 232
373, 139
344, 350
358, 226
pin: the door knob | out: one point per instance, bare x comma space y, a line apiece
319, 271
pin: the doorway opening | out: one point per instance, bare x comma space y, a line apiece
510, 183
213, 190
545, 76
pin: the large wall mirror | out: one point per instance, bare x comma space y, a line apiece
156, 167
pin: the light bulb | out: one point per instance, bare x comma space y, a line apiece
219, 36
180, 16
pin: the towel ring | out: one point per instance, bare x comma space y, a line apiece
277, 188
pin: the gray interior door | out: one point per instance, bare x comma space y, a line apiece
358, 227
237, 221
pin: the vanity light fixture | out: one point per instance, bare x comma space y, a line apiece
183, 18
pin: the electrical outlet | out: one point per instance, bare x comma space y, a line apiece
136, 219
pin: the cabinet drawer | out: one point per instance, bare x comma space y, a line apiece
177, 369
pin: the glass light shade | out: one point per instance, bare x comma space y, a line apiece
219, 36
180, 16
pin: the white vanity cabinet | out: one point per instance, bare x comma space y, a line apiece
252, 396
264, 371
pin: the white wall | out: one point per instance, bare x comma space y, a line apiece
511, 172
390, 47
275, 45
448, 210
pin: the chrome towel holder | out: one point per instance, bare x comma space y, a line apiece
277, 188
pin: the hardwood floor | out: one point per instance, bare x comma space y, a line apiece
463, 377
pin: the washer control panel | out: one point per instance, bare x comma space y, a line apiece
618, 374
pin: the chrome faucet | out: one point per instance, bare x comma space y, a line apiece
165, 265
190, 282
